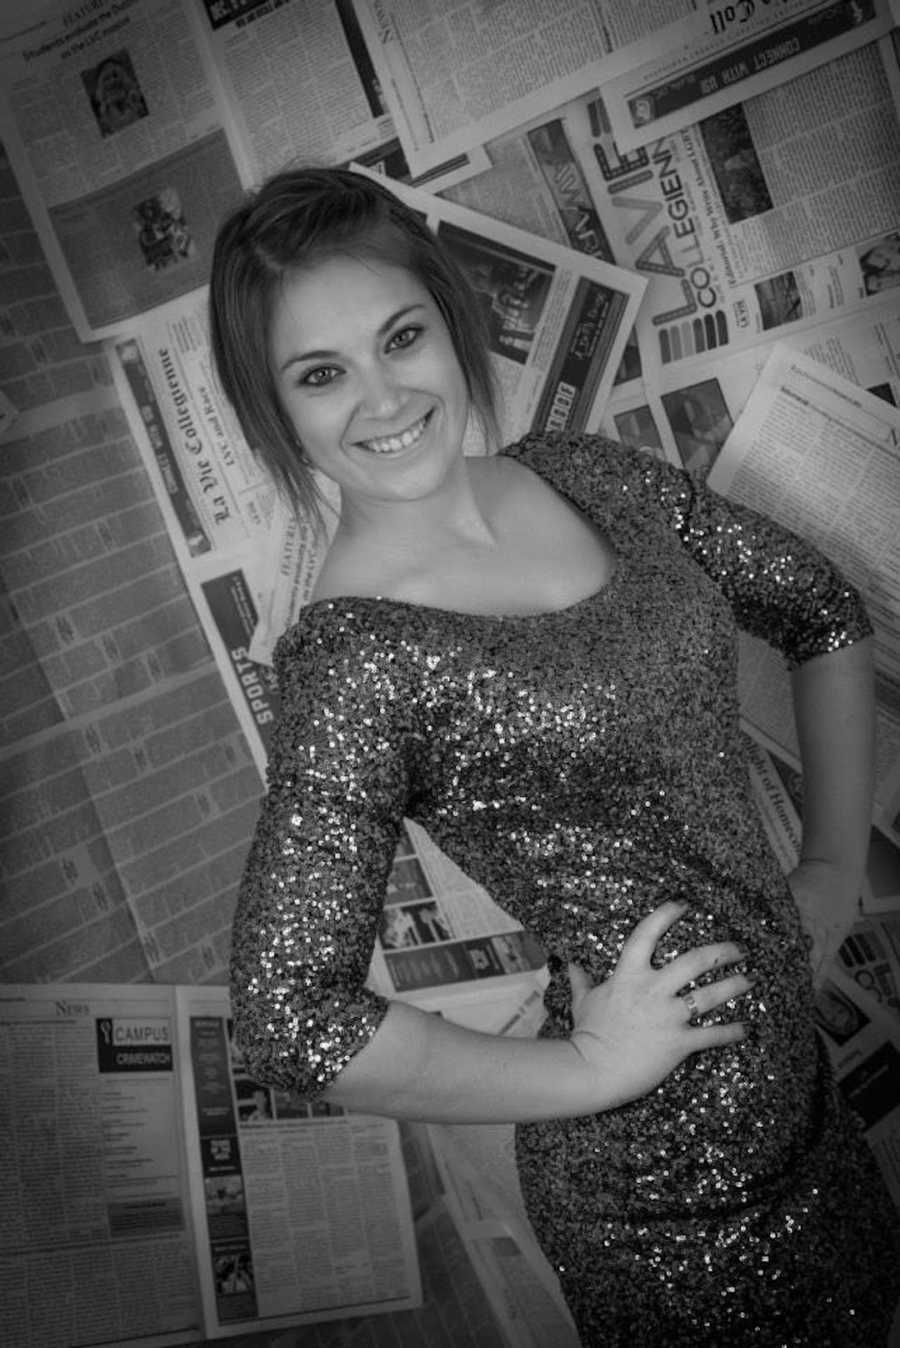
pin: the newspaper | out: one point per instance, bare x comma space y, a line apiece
134, 126
481, 1192
863, 1041
301, 86
870, 950
804, 232
748, 48
445, 945
822, 456
457, 79
161, 1195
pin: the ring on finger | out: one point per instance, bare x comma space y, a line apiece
691, 1004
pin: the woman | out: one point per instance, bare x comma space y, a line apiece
533, 653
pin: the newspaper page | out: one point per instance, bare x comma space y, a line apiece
303, 1211
457, 78
822, 456
870, 950
444, 944
871, 953
863, 1041
732, 259
223, 512
301, 88
483, 1197
687, 414
96, 1245
122, 152
749, 47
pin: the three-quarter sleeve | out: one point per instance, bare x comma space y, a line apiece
780, 587
317, 869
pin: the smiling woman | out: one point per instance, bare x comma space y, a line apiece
270, 310
366, 373
533, 654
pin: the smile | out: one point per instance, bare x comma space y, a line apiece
392, 444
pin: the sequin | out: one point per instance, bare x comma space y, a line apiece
583, 765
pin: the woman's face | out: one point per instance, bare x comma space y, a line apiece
366, 371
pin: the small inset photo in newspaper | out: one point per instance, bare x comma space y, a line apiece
637, 429
414, 924
879, 263
700, 422
254, 1102
510, 287
117, 100
780, 300
735, 164
837, 1015
161, 228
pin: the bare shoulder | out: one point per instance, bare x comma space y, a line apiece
344, 572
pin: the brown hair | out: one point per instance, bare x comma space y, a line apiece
298, 218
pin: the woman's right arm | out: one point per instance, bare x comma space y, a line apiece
630, 1032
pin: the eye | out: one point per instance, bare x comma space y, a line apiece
319, 377
404, 337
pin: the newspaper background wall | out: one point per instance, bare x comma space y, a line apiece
133, 703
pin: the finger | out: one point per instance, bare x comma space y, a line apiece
717, 1036
644, 938
579, 979
717, 994
703, 959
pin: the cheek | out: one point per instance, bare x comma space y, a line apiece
315, 421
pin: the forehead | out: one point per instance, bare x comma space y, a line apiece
340, 300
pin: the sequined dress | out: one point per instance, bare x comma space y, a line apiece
584, 765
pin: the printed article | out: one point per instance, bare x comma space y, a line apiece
301, 87
822, 456
863, 1040
459, 78
122, 152
134, 126
761, 219
162, 1196
749, 48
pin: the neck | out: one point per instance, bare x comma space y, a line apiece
454, 517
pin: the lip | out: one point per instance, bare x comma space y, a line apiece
423, 421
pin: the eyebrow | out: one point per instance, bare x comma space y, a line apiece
326, 355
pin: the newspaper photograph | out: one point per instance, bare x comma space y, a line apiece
749, 48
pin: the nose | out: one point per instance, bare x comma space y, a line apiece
380, 396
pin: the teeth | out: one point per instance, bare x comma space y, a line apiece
390, 444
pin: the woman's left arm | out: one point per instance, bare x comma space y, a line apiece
834, 708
